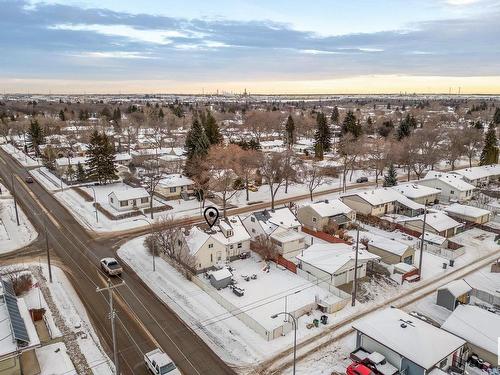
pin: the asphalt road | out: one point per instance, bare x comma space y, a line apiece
143, 321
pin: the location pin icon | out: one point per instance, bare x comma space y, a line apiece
211, 215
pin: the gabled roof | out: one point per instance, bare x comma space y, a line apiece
464, 210
454, 180
414, 191
132, 193
389, 245
479, 172
437, 220
381, 196
270, 220
195, 239
175, 180
420, 342
457, 288
330, 208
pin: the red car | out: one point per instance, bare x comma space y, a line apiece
358, 369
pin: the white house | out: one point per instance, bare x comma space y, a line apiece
334, 262
453, 188
268, 221
418, 193
480, 175
129, 199
174, 185
411, 345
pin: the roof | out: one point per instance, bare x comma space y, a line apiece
433, 238
475, 325
331, 257
414, 191
419, 342
389, 245
221, 274
240, 234
195, 239
62, 162
437, 220
132, 193
379, 196
174, 180
464, 210
457, 288
330, 208
270, 220
453, 180
287, 235
480, 172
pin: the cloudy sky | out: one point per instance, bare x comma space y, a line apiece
267, 46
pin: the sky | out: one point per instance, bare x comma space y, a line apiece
273, 46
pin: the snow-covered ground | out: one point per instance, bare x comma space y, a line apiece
47, 179
54, 360
21, 157
12, 236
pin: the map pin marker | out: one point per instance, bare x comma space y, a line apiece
211, 215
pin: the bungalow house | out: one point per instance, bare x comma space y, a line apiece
411, 345
381, 201
175, 186
272, 146
18, 333
334, 262
453, 188
479, 327
129, 199
391, 251
453, 294
317, 216
269, 221
481, 175
435, 222
62, 164
418, 193
468, 213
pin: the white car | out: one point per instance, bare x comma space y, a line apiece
111, 266
159, 363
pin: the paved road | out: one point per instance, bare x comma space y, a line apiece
144, 321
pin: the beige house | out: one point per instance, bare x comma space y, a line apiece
391, 251
468, 213
289, 243
435, 222
316, 216
418, 193
175, 186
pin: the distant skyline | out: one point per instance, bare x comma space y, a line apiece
320, 47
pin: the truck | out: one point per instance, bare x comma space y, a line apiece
159, 363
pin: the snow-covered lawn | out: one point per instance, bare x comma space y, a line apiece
21, 157
54, 360
12, 236
47, 179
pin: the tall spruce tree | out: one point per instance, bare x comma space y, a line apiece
101, 156
335, 116
290, 131
197, 143
81, 176
496, 116
406, 126
391, 178
489, 155
322, 137
35, 136
351, 125
211, 128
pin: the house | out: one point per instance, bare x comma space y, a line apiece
317, 216
468, 213
481, 175
289, 243
454, 293
453, 188
334, 262
479, 327
173, 186
418, 193
434, 239
213, 247
435, 222
411, 345
381, 201
220, 278
391, 251
18, 333
63, 164
129, 199
268, 221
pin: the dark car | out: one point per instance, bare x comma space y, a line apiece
29, 180
362, 179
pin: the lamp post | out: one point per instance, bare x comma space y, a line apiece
294, 335
153, 243
95, 205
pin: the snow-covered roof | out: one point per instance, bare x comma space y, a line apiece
433, 238
330, 208
331, 257
379, 196
457, 288
195, 239
437, 220
453, 180
420, 342
270, 220
464, 210
221, 274
475, 325
287, 235
414, 191
62, 162
479, 172
175, 180
389, 245
240, 234
132, 193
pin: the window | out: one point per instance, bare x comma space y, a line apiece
253, 230
443, 363
452, 192
123, 203
239, 245
145, 200
173, 189
211, 258
252, 219
231, 246
111, 199
179, 242
314, 219
210, 245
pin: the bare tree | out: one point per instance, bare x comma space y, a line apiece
349, 150
265, 247
473, 141
376, 153
249, 161
273, 170
261, 122
455, 147
313, 175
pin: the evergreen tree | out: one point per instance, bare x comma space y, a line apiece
211, 128
496, 116
290, 131
101, 153
49, 157
322, 137
406, 126
391, 178
489, 155
197, 142
35, 136
161, 115
351, 125
81, 176
117, 115
335, 115
106, 113
62, 117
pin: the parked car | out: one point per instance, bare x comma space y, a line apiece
29, 180
111, 266
159, 363
358, 369
253, 188
359, 180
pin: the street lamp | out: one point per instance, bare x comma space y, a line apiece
153, 243
294, 335
95, 204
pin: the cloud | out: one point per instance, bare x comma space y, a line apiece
462, 2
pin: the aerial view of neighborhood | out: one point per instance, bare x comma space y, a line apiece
250, 187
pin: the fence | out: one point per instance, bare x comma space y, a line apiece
442, 252
324, 236
486, 297
289, 265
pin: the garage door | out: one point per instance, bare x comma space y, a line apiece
373, 346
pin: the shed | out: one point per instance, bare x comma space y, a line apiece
391, 251
454, 293
221, 278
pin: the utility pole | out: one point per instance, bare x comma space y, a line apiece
47, 247
422, 244
112, 315
355, 281
15, 199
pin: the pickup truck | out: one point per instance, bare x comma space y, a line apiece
111, 266
159, 363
